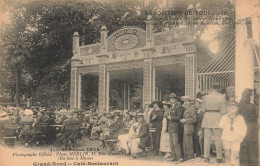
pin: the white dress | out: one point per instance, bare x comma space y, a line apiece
165, 140
126, 138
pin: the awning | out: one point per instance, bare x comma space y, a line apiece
222, 66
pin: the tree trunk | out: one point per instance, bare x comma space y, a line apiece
17, 85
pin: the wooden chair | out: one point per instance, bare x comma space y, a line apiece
110, 143
10, 134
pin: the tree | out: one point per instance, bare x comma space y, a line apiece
38, 41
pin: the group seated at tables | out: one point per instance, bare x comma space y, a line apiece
39, 126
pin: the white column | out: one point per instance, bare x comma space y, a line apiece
157, 93
201, 82
207, 82
204, 83
160, 95
210, 82
153, 85
244, 61
128, 97
124, 95
107, 91
79, 91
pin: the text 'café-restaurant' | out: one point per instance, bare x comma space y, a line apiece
160, 62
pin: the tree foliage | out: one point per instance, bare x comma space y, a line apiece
36, 46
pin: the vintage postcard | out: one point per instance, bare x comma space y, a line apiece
129, 82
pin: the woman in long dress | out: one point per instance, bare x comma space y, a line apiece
165, 142
126, 138
249, 146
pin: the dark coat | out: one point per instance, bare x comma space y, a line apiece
157, 124
144, 134
70, 134
176, 114
199, 120
117, 128
191, 117
249, 146
26, 123
6, 132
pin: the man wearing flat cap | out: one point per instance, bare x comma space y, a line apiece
213, 107
174, 127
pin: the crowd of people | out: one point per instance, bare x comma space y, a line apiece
180, 128
184, 128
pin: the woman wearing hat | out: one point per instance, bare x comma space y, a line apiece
165, 141
156, 118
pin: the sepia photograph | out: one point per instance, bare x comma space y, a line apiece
129, 82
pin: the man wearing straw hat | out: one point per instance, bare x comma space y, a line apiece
173, 127
213, 107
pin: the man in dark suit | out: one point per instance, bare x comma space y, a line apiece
70, 135
173, 126
117, 127
188, 121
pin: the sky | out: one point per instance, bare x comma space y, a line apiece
208, 37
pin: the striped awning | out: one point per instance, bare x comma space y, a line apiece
222, 65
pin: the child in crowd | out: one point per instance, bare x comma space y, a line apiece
234, 131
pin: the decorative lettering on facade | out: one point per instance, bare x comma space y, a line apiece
125, 65
169, 61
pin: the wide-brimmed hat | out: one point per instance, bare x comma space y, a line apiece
28, 112
173, 95
159, 103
